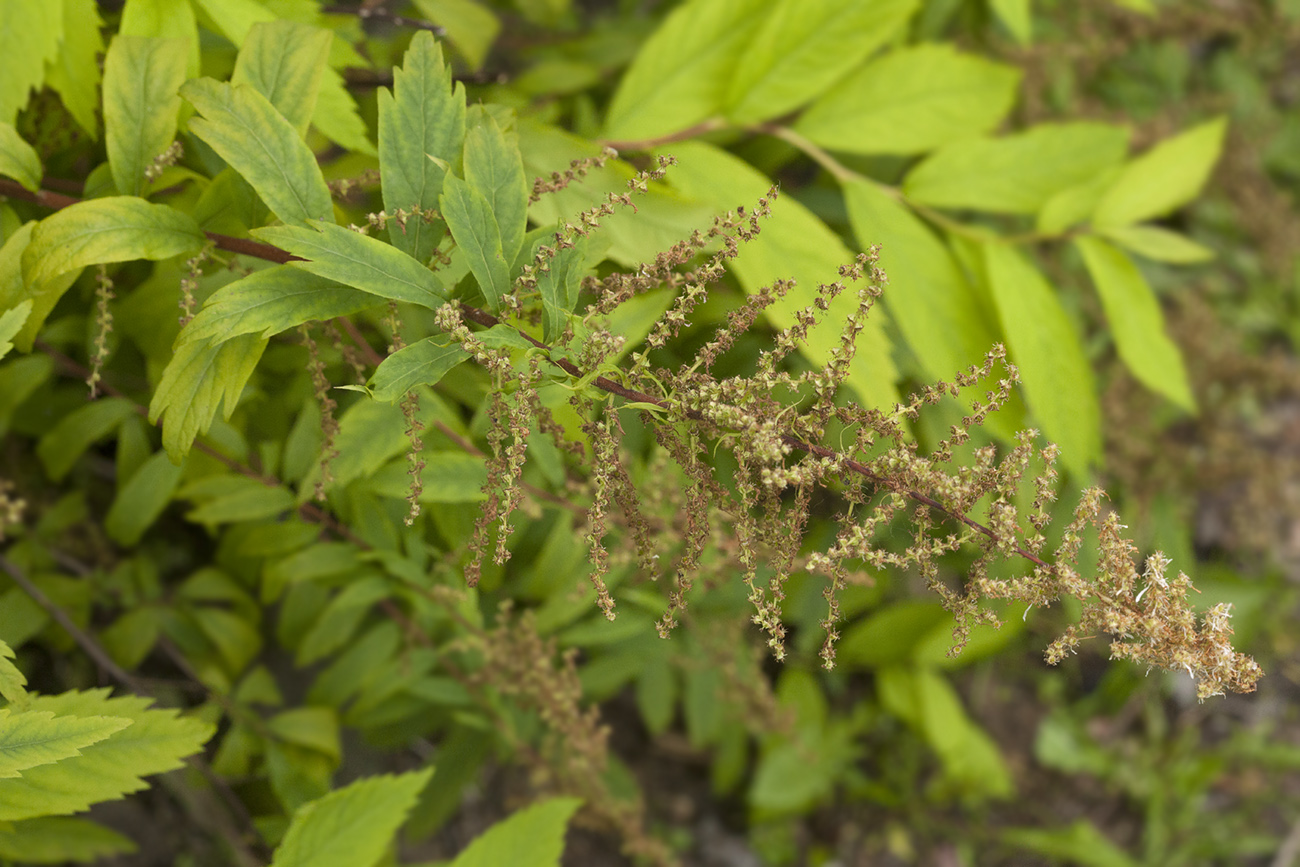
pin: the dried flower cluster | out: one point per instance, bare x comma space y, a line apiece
774, 423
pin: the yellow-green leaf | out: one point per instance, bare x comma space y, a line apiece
1166, 177
18, 159
283, 61
141, 76
912, 100
422, 363
1043, 343
1136, 321
259, 143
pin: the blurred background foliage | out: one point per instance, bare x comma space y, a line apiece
902, 754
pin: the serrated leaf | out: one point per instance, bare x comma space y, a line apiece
155, 742
74, 72
13, 683
1160, 245
336, 116
58, 840
424, 117
141, 77
202, 376
682, 72
494, 169
1054, 372
69, 439
422, 363
18, 159
272, 300
474, 228
1018, 18
912, 100
283, 61
28, 40
793, 244
259, 143
532, 837
1166, 177
99, 231
1136, 321
359, 261
804, 46
33, 738
351, 826
1016, 174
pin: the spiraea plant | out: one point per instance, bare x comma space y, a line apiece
398, 415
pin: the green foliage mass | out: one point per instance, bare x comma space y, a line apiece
434, 387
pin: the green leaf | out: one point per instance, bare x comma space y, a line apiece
222, 499
11, 322
804, 46
1016, 174
67, 440
912, 100
272, 300
283, 61
18, 159
16, 293
1166, 177
74, 73
170, 18
155, 742
28, 40
141, 500
1075, 204
474, 227
141, 77
202, 376
1136, 321
447, 477
336, 116
929, 705
422, 363
471, 26
1079, 843
235, 18
1017, 16
683, 71
533, 837
316, 728
1160, 245
494, 169
793, 244
98, 231
56, 840
351, 826
936, 308
359, 261
559, 287
336, 626
13, 683
259, 143
424, 117
33, 738
1053, 369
